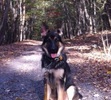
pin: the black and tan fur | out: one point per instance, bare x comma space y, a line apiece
57, 78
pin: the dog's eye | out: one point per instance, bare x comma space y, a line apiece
52, 38
56, 39
49, 39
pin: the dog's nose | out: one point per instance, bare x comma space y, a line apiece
53, 46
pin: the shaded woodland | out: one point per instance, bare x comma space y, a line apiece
86, 26
21, 19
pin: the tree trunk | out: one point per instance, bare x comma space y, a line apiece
94, 17
22, 20
4, 21
68, 24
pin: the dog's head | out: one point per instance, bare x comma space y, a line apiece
52, 44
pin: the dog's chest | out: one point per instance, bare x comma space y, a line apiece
58, 73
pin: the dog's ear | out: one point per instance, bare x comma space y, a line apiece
60, 39
59, 31
48, 31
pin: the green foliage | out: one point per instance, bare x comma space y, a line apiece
37, 11
53, 11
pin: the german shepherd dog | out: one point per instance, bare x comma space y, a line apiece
57, 78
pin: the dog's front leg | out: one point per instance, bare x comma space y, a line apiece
47, 89
47, 92
60, 92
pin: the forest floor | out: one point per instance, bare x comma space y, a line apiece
21, 76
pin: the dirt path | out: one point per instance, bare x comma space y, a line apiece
21, 75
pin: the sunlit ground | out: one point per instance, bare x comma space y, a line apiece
27, 62
79, 53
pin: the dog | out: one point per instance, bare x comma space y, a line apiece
57, 76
